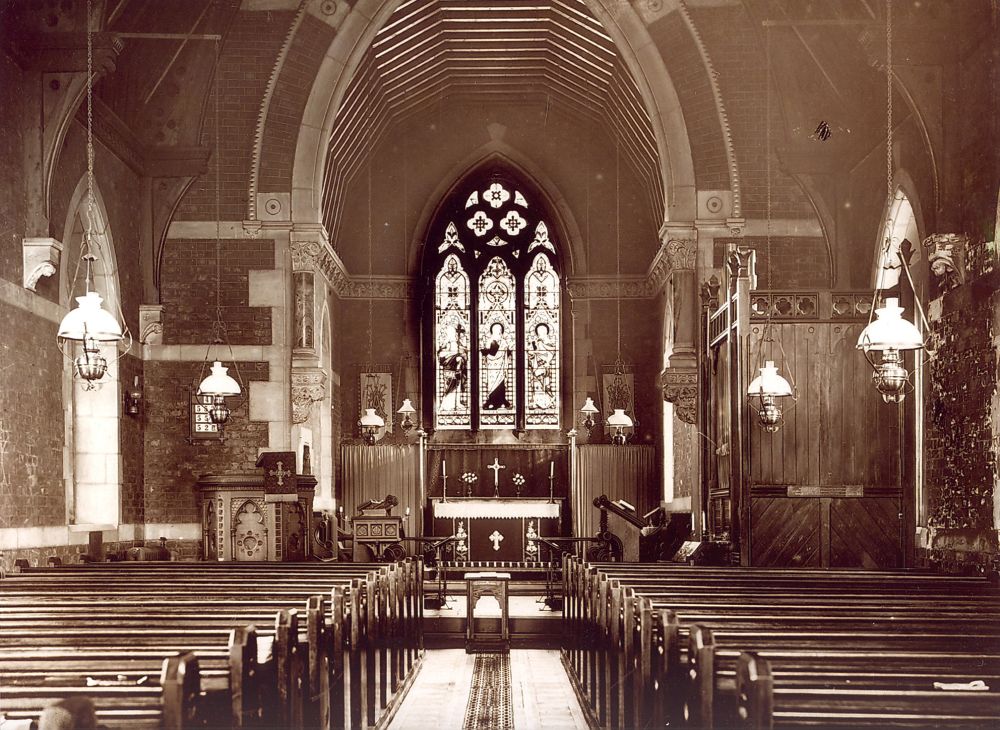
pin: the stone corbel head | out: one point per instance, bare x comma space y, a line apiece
946, 256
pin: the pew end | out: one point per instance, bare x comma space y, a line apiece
180, 684
243, 677
699, 687
754, 692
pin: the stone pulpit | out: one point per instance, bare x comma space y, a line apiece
264, 515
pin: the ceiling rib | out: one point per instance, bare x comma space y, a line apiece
482, 52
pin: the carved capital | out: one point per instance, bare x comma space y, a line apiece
680, 387
682, 253
736, 226
946, 256
741, 263
308, 386
41, 258
150, 324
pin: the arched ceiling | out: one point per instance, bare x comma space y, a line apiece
491, 53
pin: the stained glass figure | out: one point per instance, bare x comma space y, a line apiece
497, 346
451, 335
451, 239
541, 327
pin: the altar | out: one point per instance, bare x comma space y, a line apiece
497, 528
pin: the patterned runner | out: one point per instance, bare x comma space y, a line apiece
490, 705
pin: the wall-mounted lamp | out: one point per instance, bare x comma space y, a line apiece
132, 399
407, 411
588, 412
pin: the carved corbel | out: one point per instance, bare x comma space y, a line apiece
946, 256
150, 324
680, 387
41, 258
710, 293
308, 386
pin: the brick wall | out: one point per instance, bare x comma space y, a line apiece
795, 263
738, 59
701, 116
188, 290
11, 155
284, 114
172, 464
31, 422
248, 55
131, 432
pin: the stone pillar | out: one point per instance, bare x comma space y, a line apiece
679, 379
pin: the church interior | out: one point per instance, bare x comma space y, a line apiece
549, 364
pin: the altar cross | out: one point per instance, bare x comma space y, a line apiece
496, 466
280, 473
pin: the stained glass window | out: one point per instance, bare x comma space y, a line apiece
452, 328
541, 328
496, 300
497, 346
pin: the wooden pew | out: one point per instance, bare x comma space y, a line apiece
605, 613
312, 661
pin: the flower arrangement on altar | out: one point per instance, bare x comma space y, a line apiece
518, 480
469, 478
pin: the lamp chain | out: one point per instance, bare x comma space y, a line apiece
218, 201
90, 130
370, 301
888, 99
618, 250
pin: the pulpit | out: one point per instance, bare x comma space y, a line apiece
243, 518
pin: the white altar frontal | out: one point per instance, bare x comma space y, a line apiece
497, 528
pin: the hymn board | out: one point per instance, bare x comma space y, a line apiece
493, 499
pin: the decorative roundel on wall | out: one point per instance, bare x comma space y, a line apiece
272, 206
713, 204
328, 7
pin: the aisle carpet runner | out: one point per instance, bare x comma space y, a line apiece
490, 704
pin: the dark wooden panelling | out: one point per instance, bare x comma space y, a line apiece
785, 532
839, 431
865, 533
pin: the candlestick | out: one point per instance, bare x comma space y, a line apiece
444, 487
552, 480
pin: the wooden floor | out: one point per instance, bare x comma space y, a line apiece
541, 692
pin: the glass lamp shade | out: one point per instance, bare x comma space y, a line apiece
769, 383
619, 419
589, 410
219, 382
890, 331
371, 422
90, 321
406, 411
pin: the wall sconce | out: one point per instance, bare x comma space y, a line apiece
371, 422
588, 412
133, 399
407, 411
890, 334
